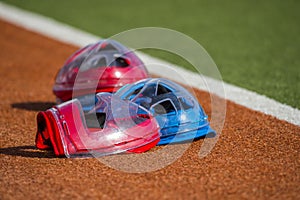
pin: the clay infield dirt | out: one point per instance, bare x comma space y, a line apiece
256, 156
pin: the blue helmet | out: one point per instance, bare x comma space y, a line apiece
178, 113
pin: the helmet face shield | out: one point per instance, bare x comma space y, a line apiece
102, 131
180, 116
104, 66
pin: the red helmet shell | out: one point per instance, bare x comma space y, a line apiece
70, 132
101, 67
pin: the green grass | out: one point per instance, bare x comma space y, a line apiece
255, 44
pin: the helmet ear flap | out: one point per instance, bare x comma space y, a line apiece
47, 136
42, 139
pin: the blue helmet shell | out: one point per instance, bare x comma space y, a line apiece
178, 113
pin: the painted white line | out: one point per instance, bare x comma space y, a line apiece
67, 34
46, 26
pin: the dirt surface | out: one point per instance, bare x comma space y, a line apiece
256, 156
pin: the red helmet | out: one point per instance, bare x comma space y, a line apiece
112, 126
104, 66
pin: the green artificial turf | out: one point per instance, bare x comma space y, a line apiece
255, 44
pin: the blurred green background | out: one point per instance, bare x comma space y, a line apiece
255, 44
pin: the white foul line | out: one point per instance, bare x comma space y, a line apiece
67, 34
